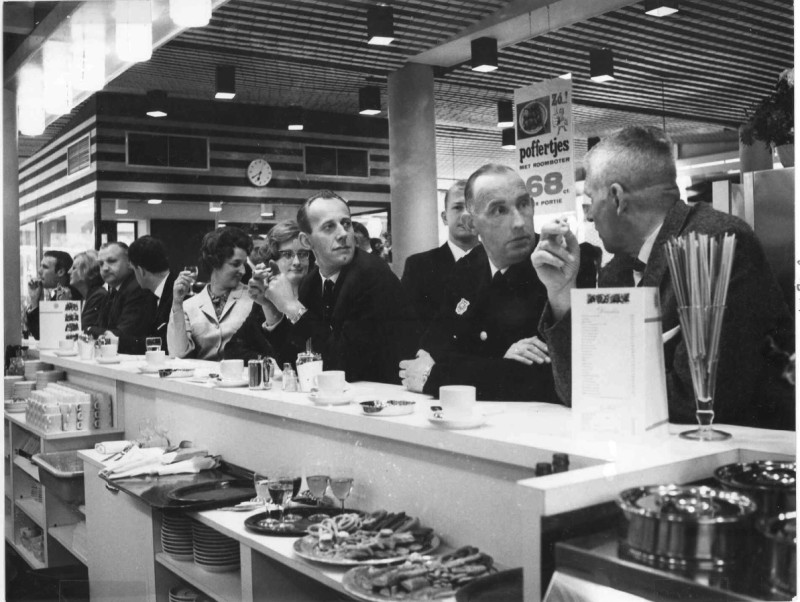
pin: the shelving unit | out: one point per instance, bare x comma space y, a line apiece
65, 536
223, 587
34, 509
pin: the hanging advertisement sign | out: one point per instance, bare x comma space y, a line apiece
545, 149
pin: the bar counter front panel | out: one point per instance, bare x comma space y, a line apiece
473, 487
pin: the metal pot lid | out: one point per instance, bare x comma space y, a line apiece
696, 504
764, 475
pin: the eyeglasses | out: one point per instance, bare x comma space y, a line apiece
301, 255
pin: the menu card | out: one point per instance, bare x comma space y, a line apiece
58, 321
618, 376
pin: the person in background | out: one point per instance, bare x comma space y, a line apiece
148, 256
201, 326
128, 310
636, 207
84, 276
54, 275
486, 332
350, 304
425, 273
362, 237
376, 246
282, 247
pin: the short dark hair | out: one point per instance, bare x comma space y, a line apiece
361, 229
116, 243
282, 232
218, 246
302, 213
489, 168
149, 253
458, 186
63, 259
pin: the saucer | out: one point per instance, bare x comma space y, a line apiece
108, 360
337, 399
67, 353
225, 383
470, 422
148, 369
390, 407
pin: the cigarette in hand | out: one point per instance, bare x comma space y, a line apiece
556, 230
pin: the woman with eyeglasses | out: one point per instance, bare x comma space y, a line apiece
283, 253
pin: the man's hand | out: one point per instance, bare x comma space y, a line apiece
528, 351
112, 338
34, 292
556, 259
279, 291
414, 373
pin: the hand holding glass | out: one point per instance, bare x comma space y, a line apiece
192, 274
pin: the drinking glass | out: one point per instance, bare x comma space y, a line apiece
341, 487
318, 485
153, 343
280, 490
193, 272
261, 483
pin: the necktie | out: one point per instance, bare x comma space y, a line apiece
327, 300
629, 264
498, 279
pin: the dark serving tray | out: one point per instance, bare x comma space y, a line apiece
300, 527
505, 586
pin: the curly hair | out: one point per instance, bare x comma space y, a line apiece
87, 266
282, 232
218, 246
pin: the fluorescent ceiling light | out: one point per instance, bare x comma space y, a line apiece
154, 201
121, 207
215, 206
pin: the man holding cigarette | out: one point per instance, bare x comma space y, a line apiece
636, 208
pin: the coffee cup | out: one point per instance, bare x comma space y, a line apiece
86, 349
457, 401
155, 358
109, 350
67, 345
231, 369
330, 382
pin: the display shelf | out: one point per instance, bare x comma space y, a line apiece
28, 556
34, 509
223, 587
64, 536
19, 419
27, 466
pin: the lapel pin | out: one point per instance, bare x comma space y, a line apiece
462, 307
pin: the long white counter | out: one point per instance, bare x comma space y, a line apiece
474, 486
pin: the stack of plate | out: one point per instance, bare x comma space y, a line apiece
22, 389
181, 593
48, 376
8, 386
33, 366
176, 537
214, 551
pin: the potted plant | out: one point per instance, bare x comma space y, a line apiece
771, 120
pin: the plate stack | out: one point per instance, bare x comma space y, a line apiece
48, 376
181, 593
176, 537
22, 389
8, 386
33, 366
214, 551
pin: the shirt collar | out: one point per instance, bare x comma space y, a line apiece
495, 269
647, 247
160, 288
333, 278
457, 251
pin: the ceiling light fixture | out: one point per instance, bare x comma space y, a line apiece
121, 207
30, 107
369, 100
190, 13
267, 210
380, 25
294, 118
215, 206
156, 103
484, 54
660, 8
57, 86
601, 65
88, 66
134, 31
226, 82
505, 114
154, 201
509, 139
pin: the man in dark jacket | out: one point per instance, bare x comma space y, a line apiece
53, 274
636, 208
148, 257
128, 309
350, 305
485, 333
425, 273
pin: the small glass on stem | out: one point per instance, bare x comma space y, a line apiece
318, 485
193, 272
341, 486
280, 490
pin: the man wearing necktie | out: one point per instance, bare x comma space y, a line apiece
350, 305
148, 257
636, 207
485, 332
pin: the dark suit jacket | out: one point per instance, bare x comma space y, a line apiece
135, 343
130, 313
749, 390
92, 304
373, 327
477, 324
251, 340
423, 279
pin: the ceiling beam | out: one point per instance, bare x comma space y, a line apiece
516, 22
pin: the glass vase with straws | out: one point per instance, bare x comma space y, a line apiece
700, 266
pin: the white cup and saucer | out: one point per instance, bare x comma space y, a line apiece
231, 374
66, 348
330, 388
456, 408
108, 352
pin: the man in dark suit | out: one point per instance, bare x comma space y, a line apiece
128, 309
148, 257
350, 305
485, 333
53, 274
636, 208
425, 273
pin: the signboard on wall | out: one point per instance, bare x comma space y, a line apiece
545, 149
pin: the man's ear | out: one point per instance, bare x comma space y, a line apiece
305, 241
619, 198
443, 214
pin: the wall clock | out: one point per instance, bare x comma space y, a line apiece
259, 172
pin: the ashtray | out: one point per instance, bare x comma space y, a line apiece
391, 407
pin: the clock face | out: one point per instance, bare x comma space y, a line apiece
259, 172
